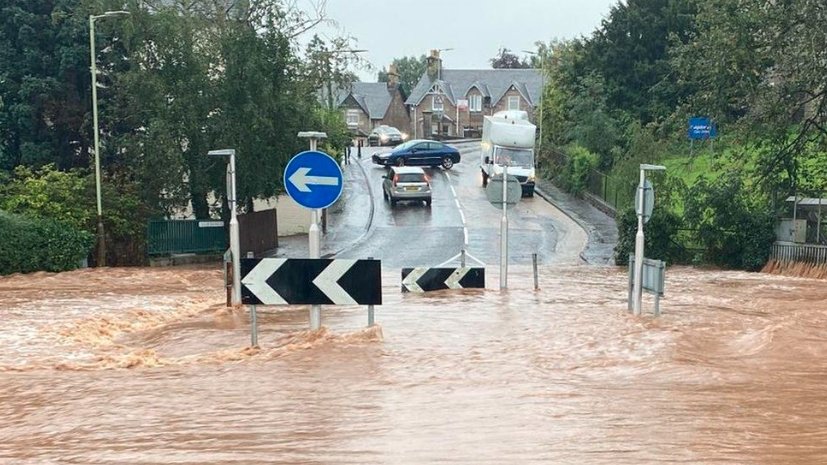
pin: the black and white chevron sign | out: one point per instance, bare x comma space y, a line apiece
310, 281
435, 279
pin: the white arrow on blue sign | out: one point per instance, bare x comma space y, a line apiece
313, 179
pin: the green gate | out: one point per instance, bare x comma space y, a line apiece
166, 237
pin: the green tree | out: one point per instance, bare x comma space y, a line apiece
769, 79
506, 59
410, 70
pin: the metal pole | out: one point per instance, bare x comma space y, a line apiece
462, 258
371, 319
818, 229
101, 235
639, 242
235, 242
536, 279
315, 252
504, 234
254, 327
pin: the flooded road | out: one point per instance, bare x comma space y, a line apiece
147, 366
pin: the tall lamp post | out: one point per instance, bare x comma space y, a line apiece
639, 240
543, 60
94, 69
235, 242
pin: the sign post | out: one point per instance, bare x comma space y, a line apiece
701, 128
639, 239
314, 180
504, 192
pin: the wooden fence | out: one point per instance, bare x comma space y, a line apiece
258, 232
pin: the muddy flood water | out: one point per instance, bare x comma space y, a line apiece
145, 366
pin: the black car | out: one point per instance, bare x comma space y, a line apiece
386, 135
419, 152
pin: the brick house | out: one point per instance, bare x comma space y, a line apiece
452, 102
367, 105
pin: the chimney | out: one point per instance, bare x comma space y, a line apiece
434, 65
393, 77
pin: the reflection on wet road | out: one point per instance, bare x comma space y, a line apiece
146, 366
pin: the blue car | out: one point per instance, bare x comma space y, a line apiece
419, 153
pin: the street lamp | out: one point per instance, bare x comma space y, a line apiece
235, 243
542, 86
101, 238
638, 286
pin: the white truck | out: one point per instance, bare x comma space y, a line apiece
508, 140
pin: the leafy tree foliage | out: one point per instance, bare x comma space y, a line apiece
762, 65
410, 70
506, 59
177, 78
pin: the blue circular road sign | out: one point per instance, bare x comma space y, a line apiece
313, 179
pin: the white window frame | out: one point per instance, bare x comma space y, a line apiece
352, 118
441, 106
512, 99
475, 102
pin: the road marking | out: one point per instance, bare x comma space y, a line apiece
459, 207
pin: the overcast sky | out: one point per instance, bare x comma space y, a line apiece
475, 29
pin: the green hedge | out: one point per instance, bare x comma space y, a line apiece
30, 244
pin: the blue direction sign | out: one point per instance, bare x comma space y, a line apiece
313, 179
700, 127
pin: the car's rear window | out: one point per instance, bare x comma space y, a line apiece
410, 177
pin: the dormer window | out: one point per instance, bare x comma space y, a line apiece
475, 103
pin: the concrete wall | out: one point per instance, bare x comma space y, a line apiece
292, 218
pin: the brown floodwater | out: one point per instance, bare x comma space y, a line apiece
142, 366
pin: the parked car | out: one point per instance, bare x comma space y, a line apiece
406, 183
419, 152
386, 135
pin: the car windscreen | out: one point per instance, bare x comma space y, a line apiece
514, 157
410, 177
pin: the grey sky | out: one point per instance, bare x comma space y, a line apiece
475, 29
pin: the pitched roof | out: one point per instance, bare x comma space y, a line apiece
492, 83
373, 97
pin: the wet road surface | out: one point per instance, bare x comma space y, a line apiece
146, 366
412, 234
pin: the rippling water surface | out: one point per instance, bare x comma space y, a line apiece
148, 366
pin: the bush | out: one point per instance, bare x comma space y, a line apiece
576, 167
661, 234
735, 226
34, 244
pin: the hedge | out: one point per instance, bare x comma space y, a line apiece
32, 244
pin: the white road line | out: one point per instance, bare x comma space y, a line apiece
461, 213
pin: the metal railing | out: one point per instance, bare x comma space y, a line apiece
610, 190
786, 252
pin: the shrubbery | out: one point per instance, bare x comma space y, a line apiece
35, 244
729, 224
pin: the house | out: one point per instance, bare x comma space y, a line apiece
452, 102
367, 105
